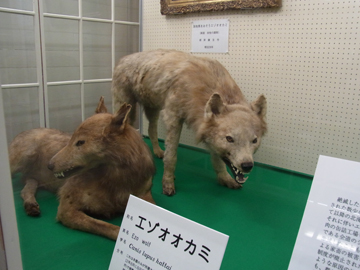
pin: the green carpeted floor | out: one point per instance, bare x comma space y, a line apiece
262, 219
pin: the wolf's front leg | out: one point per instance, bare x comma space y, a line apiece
170, 156
223, 176
28, 195
78, 220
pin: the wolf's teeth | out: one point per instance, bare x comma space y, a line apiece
60, 174
234, 168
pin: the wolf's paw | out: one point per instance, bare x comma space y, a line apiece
32, 209
229, 182
159, 153
169, 189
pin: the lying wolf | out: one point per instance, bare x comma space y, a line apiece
94, 171
201, 93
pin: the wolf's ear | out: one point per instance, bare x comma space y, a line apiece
101, 108
259, 106
214, 106
120, 118
118, 121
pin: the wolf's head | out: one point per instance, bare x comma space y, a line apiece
234, 132
88, 146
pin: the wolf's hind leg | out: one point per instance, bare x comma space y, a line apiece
28, 195
132, 113
120, 96
223, 176
170, 156
148, 197
153, 117
146, 194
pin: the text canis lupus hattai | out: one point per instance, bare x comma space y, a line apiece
94, 171
200, 92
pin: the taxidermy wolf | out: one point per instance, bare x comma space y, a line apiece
200, 92
94, 171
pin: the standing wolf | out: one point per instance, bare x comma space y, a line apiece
201, 93
103, 162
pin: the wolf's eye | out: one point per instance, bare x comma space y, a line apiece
255, 140
79, 143
229, 139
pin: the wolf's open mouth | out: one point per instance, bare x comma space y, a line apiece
238, 176
66, 173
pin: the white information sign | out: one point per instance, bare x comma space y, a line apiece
210, 36
153, 238
329, 238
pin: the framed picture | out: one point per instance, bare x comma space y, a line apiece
169, 7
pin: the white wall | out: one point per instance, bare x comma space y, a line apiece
303, 56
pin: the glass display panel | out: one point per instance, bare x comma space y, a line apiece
97, 50
20, 64
17, 49
92, 94
17, 4
64, 107
126, 40
21, 110
62, 49
66, 7
127, 10
97, 9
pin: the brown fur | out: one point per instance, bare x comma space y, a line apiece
112, 162
200, 92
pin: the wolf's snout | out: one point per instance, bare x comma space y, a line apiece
51, 166
247, 166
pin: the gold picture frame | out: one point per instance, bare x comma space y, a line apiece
170, 7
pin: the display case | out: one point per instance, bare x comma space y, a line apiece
57, 59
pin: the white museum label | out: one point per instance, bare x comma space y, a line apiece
210, 36
153, 238
329, 238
